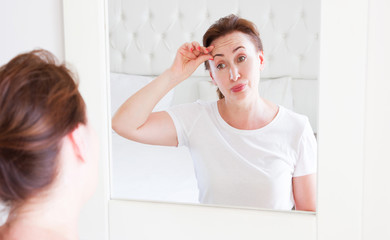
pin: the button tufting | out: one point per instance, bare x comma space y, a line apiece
175, 15
142, 31
270, 15
179, 15
207, 15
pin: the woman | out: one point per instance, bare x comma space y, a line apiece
48, 161
247, 150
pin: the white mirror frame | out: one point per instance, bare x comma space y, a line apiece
344, 138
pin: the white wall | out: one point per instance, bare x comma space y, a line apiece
26, 25
376, 187
84, 28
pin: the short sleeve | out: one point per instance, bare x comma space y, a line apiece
307, 153
184, 116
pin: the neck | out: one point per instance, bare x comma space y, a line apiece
247, 115
52, 217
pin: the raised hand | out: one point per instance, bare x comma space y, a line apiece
188, 58
136, 120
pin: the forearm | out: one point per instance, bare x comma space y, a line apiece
304, 189
136, 110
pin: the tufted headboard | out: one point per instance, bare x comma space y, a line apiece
145, 34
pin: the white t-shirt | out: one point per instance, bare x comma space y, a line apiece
252, 168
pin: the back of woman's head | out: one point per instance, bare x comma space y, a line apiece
39, 105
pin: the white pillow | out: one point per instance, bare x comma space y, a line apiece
277, 90
124, 85
207, 91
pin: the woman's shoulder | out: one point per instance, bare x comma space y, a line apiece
194, 107
292, 115
296, 121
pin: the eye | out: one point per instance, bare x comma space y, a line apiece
241, 58
221, 66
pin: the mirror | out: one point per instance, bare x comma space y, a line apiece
144, 37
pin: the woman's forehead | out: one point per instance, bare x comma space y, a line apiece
230, 42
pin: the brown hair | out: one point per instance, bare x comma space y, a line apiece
39, 105
229, 24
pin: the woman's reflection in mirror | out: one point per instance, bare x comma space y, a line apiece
247, 151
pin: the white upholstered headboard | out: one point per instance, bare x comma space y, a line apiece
145, 34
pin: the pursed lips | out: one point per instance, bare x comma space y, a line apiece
238, 87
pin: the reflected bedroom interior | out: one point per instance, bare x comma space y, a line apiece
144, 37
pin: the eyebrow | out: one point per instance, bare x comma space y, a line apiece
234, 50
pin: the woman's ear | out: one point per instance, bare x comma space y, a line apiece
78, 140
212, 79
261, 57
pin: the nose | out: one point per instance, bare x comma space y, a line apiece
234, 75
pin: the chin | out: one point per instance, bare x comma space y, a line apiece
242, 95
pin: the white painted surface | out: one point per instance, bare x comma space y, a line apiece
376, 190
146, 220
84, 27
26, 25
341, 118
